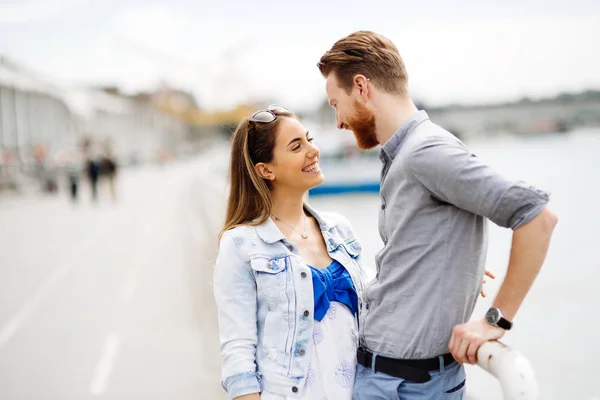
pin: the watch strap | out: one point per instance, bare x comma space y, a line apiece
504, 324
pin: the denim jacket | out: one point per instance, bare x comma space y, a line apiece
264, 296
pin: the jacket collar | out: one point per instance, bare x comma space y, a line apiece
269, 232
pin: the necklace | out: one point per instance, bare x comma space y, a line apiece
303, 233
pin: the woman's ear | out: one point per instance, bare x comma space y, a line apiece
264, 172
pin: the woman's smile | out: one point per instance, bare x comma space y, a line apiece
312, 168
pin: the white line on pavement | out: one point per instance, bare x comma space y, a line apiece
105, 365
13, 325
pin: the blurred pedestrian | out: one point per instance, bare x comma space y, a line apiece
73, 172
93, 172
108, 166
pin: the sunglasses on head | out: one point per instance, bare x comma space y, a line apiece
269, 115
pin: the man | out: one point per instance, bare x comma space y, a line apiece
436, 198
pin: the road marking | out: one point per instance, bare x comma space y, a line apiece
13, 325
105, 365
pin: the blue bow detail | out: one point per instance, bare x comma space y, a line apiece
333, 284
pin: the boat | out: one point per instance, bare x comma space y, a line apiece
346, 168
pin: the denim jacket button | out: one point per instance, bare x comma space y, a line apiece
301, 352
290, 247
303, 274
295, 389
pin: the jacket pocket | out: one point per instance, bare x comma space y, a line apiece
270, 276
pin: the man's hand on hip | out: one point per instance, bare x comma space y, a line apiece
467, 338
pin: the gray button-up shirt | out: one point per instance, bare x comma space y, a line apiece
435, 199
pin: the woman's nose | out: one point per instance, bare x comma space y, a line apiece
313, 152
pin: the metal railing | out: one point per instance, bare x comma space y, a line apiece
511, 368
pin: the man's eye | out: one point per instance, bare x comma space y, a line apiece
310, 139
296, 148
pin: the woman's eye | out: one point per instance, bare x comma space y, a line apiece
296, 148
310, 139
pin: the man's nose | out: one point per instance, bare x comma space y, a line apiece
340, 124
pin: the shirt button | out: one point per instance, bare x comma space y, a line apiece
306, 313
301, 352
295, 389
290, 247
303, 274
269, 266
383, 206
367, 306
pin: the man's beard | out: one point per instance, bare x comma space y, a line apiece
362, 124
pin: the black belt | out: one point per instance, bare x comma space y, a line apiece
412, 370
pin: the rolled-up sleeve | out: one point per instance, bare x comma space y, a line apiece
456, 176
235, 296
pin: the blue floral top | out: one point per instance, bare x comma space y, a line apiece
333, 284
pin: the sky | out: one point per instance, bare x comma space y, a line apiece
230, 52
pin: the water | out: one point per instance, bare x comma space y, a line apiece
558, 324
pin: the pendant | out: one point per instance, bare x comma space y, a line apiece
304, 235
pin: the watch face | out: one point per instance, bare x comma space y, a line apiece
492, 316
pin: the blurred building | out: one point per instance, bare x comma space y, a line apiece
524, 117
31, 110
559, 114
40, 122
132, 125
34, 118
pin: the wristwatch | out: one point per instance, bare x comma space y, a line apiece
494, 317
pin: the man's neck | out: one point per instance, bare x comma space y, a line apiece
392, 113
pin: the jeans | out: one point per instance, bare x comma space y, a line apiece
447, 383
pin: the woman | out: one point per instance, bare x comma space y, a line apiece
288, 279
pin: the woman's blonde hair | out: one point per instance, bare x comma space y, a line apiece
249, 201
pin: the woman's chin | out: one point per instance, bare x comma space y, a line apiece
317, 180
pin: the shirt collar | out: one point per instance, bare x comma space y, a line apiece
270, 233
390, 149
